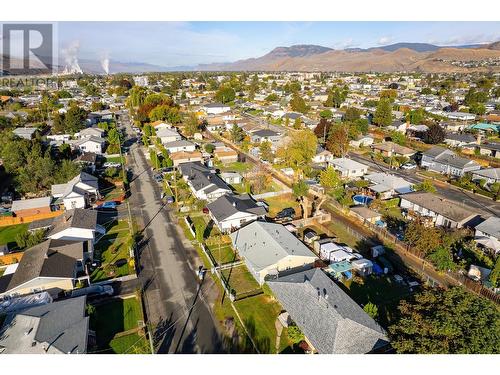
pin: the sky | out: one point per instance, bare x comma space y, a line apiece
172, 44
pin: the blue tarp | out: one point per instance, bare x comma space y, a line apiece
377, 269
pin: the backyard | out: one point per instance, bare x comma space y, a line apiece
8, 234
113, 252
110, 319
237, 166
276, 204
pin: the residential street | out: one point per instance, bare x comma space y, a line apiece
486, 207
180, 312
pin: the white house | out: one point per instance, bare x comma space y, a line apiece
215, 108
387, 185
487, 234
349, 168
168, 135
79, 192
181, 145
203, 182
91, 144
230, 212
77, 225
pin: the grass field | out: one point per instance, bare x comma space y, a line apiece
8, 234
240, 279
276, 204
236, 167
113, 252
113, 317
130, 344
222, 255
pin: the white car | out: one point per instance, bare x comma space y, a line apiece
409, 166
110, 164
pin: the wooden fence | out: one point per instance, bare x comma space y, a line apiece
14, 220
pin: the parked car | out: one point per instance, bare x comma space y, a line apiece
286, 213
110, 205
205, 210
110, 164
169, 199
409, 166
94, 290
158, 178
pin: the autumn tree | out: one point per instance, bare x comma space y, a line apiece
299, 151
338, 140
422, 238
435, 134
191, 124
323, 129
266, 153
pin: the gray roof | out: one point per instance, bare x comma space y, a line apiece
265, 133
51, 258
92, 138
495, 146
490, 226
70, 186
180, 143
461, 137
201, 177
493, 173
61, 325
327, 316
263, 244
229, 204
440, 205
454, 160
26, 204
436, 151
76, 218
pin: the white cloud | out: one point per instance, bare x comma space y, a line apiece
347, 43
384, 40
465, 39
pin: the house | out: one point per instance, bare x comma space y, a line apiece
491, 149
25, 133
365, 214
262, 135
389, 149
181, 157
76, 225
226, 155
438, 210
51, 266
269, 249
349, 168
177, 146
459, 139
231, 178
327, 247
229, 212
443, 160
159, 125
215, 108
487, 234
30, 207
461, 116
167, 135
322, 156
331, 321
90, 132
361, 141
60, 327
386, 185
203, 182
491, 175
88, 161
91, 144
79, 192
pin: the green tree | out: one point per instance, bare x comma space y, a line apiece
225, 94
115, 141
330, 178
191, 125
209, 148
66, 171
326, 114
298, 153
422, 238
295, 334
297, 124
426, 186
352, 114
371, 309
266, 152
495, 274
298, 104
451, 321
236, 133
383, 113
442, 258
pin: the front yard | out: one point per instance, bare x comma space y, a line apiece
111, 319
112, 251
240, 279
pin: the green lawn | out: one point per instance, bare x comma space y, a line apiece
240, 279
239, 188
113, 248
381, 291
237, 166
223, 253
210, 231
130, 344
116, 316
115, 159
276, 204
431, 174
8, 234
259, 315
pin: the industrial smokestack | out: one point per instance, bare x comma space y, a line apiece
70, 54
105, 64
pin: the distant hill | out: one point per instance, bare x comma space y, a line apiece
392, 58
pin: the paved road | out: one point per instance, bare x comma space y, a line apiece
484, 206
174, 302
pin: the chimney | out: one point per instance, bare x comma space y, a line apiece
478, 138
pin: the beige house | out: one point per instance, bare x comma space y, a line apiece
269, 249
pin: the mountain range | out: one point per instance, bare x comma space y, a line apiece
421, 57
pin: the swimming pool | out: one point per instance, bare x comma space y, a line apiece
362, 199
